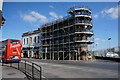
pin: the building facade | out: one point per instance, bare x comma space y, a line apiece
31, 44
68, 38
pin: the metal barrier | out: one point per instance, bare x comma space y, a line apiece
31, 70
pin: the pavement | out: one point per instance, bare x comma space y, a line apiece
9, 73
78, 69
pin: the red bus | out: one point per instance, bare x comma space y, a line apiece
11, 50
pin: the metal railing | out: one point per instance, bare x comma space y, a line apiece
30, 69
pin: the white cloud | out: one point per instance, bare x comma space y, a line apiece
61, 16
95, 16
28, 18
38, 16
52, 19
53, 14
112, 12
96, 43
51, 6
97, 39
33, 17
104, 40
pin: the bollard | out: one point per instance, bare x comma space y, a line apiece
18, 65
40, 73
25, 67
33, 70
10, 64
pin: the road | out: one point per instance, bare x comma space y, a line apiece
77, 69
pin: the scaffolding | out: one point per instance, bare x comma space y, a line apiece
68, 38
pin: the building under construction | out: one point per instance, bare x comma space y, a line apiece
68, 38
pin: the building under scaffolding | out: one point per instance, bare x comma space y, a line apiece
68, 38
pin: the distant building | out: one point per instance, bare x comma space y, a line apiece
31, 44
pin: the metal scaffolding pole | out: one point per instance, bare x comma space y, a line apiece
50, 43
76, 56
53, 56
69, 41
45, 53
63, 45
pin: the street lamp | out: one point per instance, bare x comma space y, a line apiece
96, 44
109, 44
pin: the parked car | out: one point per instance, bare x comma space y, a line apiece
112, 54
115, 55
109, 54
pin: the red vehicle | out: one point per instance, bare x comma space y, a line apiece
11, 50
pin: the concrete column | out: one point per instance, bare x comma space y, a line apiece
79, 57
45, 56
28, 53
39, 54
53, 56
42, 55
32, 54
50, 56
76, 56
63, 55
58, 55
69, 56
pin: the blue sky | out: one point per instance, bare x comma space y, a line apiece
26, 16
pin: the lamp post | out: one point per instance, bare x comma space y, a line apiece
96, 44
109, 44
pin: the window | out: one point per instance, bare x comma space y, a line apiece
23, 41
38, 38
14, 41
30, 40
35, 39
27, 40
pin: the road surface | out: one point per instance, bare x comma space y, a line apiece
77, 69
